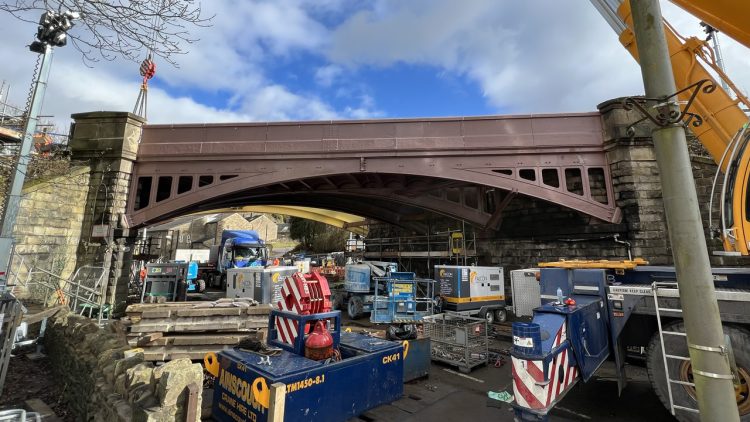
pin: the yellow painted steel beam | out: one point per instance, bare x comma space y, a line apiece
350, 222
731, 17
603, 263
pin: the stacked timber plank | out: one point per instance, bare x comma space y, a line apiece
167, 331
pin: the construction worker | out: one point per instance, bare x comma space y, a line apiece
276, 262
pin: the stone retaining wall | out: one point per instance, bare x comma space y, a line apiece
48, 226
105, 380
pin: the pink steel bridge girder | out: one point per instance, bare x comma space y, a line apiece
557, 158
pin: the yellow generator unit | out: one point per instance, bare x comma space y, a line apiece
472, 290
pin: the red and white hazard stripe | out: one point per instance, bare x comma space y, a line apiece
291, 297
286, 327
529, 386
302, 295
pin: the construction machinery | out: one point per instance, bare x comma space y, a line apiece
309, 369
260, 283
358, 290
166, 282
401, 298
595, 310
238, 249
472, 291
715, 116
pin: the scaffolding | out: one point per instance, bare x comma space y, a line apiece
420, 254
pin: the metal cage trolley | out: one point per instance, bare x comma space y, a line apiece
457, 339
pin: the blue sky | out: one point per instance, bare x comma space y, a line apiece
337, 59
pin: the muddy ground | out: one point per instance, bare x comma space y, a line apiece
32, 379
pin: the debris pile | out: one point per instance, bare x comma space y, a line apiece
177, 330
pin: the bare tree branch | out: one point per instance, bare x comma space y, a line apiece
126, 28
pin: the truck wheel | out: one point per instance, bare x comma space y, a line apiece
337, 301
681, 370
356, 304
201, 286
501, 315
489, 316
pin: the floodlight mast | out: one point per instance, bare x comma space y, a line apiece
52, 32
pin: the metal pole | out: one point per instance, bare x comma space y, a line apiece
711, 370
13, 202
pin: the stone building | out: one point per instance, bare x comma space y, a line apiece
202, 232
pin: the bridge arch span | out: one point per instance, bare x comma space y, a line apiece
467, 168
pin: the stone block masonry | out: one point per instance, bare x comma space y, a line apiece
109, 142
105, 380
48, 226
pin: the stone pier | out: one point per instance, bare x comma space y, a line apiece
109, 142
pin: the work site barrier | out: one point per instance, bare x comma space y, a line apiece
84, 292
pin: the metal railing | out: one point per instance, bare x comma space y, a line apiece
83, 293
75, 292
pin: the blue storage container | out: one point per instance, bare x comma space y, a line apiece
371, 373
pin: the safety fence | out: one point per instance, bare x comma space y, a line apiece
84, 292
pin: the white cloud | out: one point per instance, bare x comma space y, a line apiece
276, 103
228, 61
365, 110
526, 56
532, 56
326, 75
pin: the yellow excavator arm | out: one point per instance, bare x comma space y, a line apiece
723, 118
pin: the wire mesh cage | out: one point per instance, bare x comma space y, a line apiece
457, 339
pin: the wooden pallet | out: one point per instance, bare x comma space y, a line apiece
191, 329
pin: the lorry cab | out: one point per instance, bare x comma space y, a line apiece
242, 255
241, 248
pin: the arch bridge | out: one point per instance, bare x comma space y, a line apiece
468, 168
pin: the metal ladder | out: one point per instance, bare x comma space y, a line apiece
655, 290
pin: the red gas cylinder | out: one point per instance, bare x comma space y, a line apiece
319, 344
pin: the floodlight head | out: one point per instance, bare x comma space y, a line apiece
37, 47
59, 39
